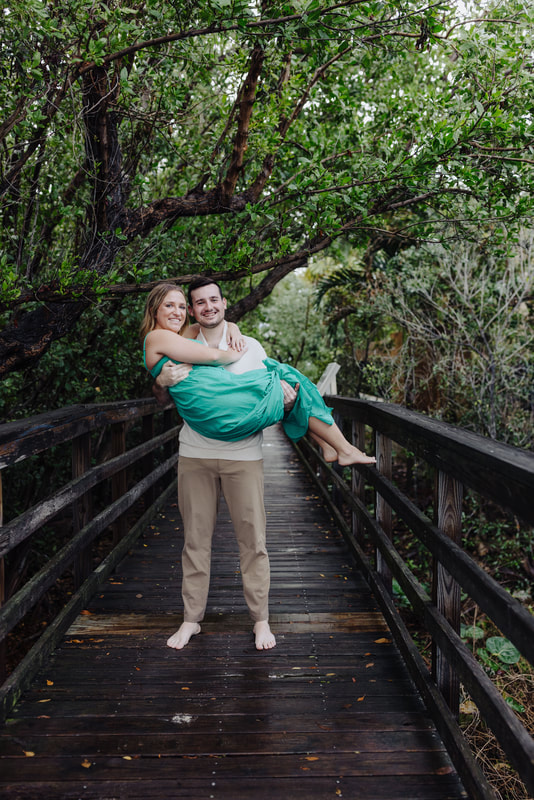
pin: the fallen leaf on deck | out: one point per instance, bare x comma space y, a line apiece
127, 758
44, 701
370, 664
361, 698
312, 758
383, 640
50, 683
86, 763
86, 613
29, 753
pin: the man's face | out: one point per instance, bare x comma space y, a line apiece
207, 306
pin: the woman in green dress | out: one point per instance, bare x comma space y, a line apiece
227, 406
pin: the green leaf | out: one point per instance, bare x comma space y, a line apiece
472, 632
515, 705
485, 657
503, 649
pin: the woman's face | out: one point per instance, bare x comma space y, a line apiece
172, 312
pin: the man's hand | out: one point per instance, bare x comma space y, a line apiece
290, 395
170, 375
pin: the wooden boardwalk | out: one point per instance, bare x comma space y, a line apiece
330, 712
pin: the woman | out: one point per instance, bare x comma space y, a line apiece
225, 406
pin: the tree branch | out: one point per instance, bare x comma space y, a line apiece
246, 104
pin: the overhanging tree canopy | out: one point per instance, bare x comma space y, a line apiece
159, 139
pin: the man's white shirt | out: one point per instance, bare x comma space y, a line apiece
194, 445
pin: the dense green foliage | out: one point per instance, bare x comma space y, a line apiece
157, 139
445, 331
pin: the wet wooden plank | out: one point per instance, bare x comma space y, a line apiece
331, 711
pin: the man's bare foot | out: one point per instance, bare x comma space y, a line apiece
186, 630
264, 638
354, 456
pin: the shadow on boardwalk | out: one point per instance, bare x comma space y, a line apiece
330, 712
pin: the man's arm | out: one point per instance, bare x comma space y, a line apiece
170, 375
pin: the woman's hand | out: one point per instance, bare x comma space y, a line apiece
234, 338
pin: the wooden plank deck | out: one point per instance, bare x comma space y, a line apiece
330, 712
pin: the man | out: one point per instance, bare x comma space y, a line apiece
207, 467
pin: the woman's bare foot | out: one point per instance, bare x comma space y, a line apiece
329, 453
264, 638
186, 630
354, 456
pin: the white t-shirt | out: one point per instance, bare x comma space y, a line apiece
194, 445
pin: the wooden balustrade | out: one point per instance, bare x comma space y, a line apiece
143, 473
141, 477
462, 460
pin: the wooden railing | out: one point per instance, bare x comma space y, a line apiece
139, 476
461, 460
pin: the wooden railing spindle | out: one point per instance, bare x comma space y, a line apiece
118, 482
445, 589
147, 463
383, 509
357, 481
81, 508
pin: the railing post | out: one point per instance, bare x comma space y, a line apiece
170, 446
383, 509
445, 590
337, 497
3, 597
148, 460
81, 508
358, 482
118, 481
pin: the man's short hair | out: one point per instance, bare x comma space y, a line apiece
197, 282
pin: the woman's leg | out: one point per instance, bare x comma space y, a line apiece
334, 445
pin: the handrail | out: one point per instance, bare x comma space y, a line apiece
152, 460
463, 460
32, 435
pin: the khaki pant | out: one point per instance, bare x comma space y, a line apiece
200, 483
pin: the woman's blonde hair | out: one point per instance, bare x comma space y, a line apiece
153, 302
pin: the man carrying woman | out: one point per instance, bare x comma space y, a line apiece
220, 448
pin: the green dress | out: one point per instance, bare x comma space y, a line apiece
227, 406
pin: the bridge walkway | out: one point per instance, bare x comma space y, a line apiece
330, 712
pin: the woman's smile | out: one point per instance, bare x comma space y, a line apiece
171, 314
